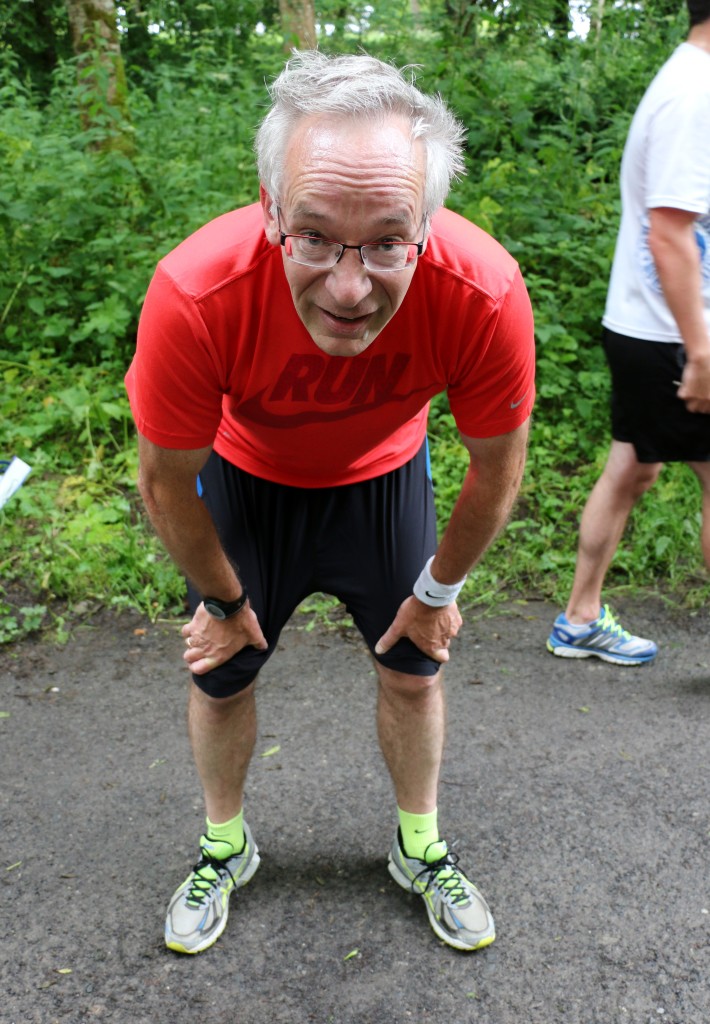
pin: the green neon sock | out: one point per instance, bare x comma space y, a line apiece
418, 832
227, 834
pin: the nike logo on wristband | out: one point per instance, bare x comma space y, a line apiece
435, 597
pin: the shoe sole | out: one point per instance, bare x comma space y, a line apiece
249, 873
406, 883
560, 651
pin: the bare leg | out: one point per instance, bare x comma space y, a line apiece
702, 471
222, 732
623, 481
410, 726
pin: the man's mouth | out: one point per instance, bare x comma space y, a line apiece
346, 319
346, 324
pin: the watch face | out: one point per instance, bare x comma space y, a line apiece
214, 610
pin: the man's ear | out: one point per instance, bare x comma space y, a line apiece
268, 209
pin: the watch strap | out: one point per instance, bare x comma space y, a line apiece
229, 608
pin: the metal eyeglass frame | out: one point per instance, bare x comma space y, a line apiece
283, 235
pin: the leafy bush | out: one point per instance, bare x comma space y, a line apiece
74, 531
84, 217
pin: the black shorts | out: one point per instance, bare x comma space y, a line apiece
645, 408
365, 543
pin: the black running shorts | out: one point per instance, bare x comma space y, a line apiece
365, 543
645, 408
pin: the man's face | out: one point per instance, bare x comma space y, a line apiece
355, 183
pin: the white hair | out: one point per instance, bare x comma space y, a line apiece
358, 86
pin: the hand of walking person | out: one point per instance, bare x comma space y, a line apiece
695, 385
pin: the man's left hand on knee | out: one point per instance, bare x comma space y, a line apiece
429, 629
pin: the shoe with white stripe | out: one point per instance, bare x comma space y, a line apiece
603, 638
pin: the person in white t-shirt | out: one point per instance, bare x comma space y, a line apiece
656, 336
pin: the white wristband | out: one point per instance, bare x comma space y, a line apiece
430, 591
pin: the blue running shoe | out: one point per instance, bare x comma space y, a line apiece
604, 638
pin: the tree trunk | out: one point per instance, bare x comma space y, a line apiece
298, 23
96, 42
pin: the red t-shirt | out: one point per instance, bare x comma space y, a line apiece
224, 360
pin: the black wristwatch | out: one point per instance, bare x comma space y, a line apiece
224, 609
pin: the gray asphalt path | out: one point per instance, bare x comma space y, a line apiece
578, 793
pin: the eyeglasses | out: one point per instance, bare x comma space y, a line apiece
323, 253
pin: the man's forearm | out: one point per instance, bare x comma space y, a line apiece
479, 515
487, 496
681, 286
675, 254
190, 538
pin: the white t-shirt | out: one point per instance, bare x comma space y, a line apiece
666, 162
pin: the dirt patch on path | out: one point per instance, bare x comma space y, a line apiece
578, 792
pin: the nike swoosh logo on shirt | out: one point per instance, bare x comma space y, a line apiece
514, 405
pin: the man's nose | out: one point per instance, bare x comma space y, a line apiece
349, 281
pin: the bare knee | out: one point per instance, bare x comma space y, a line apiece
702, 472
630, 478
645, 478
406, 687
217, 709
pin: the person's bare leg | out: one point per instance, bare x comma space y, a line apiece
623, 481
410, 726
222, 733
702, 471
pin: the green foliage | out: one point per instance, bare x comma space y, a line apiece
74, 533
81, 230
535, 554
190, 33
35, 36
82, 225
17, 623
